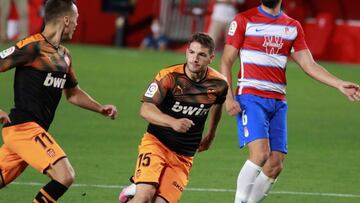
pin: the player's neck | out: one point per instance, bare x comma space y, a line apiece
195, 76
272, 11
52, 35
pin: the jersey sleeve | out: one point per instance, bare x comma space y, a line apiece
236, 33
71, 80
158, 89
14, 56
299, 43
222, 96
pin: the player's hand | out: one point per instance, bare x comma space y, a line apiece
109, 111
232, 107
350, 90
182, 125
4, 117
205, 143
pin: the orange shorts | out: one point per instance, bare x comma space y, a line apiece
160, 166
27, 144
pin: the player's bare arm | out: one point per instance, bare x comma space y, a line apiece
153, 115
80, 98
215, 116
228, 58
309, 66
4, 117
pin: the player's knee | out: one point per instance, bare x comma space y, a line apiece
66, 178
260, 158
62, 172
264, 156
144, 194
143, 197
277, 164
69, 178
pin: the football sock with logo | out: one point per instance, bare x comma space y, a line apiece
246, 180
261, 188
50, 192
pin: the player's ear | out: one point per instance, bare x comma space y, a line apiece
66, 20
212, 56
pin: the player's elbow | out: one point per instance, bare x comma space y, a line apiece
71, 95
72, 98
143, 113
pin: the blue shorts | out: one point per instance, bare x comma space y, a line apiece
262, 118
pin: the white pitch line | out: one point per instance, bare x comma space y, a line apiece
204, 190
315, 194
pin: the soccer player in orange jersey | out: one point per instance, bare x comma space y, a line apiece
43, 71
176, 105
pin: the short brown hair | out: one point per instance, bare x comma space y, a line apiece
56, 8
205, 40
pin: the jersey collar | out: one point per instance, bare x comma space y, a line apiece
268, 14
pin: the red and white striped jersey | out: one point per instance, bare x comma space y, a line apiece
265, 42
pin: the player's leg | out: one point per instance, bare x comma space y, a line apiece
11, 166
174, 179
274, 165
56, 165
62, 176
253, 128
145, 192
257, 156
160, 200
127, 193
62, 172
39, 149
149, 168
265, 180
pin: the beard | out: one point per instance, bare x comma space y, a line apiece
270, 3
66, 36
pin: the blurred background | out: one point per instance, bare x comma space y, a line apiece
331, 26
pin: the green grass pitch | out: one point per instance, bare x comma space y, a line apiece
324, 135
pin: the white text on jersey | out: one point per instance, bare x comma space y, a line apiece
190, 110
54, 81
